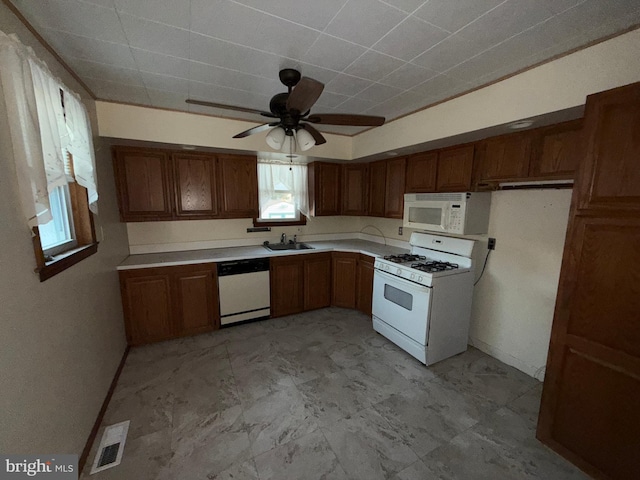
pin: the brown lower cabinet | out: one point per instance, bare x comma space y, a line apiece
352, 281
169, 302
306, 282
345, 275
317, 281
287, 285
364, 288
300, 283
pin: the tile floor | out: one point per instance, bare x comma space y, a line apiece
320, 395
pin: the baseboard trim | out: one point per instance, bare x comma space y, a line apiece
96, 426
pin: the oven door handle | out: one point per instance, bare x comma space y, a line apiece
402, 281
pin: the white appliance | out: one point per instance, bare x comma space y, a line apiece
243, 286
465, 213
422, 300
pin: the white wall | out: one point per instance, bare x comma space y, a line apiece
61, 340
514, 301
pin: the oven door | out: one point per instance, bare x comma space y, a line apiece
402, 304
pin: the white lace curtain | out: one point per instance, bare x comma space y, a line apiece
41, 131
273, 176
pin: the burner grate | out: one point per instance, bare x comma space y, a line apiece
431, 267
404, 258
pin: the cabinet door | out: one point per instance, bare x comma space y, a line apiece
421, 173
556, 151
324, 188
506, 157
317, 281
239, 186
612, 130
345, 273
144, 182
377, 187
195, 299
365, 284
287, 285
455, 169
355, 185
196, 186
147, 305
394, 191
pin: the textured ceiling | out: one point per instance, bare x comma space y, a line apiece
384, 58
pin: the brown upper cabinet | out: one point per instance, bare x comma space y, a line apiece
156, 184
239, 182
355, 180
505, 157
556, 151
145, 184
196, 185
377, 187
455, 169
421, 172
324, 188
394, 190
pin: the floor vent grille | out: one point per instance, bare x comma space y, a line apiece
111, 447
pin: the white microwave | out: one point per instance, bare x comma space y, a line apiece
465, 213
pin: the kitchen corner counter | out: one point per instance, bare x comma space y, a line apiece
191, 257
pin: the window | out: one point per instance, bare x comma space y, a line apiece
283, 194
58, 234
52, 148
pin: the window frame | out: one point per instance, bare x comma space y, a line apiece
48, 266
299, 219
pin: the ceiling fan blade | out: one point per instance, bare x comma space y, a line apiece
258, 129
345, 119
304, 95
228, 107
317, 136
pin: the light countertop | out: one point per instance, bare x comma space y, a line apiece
190, 257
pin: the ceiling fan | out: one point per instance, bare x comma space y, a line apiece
292, 109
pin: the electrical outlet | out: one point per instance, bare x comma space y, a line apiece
491, 245
399, 230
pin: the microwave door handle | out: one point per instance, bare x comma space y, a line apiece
444, 221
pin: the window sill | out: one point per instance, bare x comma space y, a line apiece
257, 222
65, 260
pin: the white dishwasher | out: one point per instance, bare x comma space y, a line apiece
244, 291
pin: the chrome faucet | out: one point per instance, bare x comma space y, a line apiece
283, 238
295, 239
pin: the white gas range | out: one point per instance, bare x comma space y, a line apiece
422, 300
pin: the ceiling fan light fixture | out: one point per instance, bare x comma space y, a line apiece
304, 140
275, 138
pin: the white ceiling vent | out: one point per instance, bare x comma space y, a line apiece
111, 447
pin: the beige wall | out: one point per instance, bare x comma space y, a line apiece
61, 340
515, 299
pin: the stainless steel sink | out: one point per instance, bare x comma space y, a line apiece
287, 246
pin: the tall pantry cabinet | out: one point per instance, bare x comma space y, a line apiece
590, 411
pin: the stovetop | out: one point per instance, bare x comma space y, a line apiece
423, 264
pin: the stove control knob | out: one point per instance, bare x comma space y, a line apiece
413, 276
386, 267
420, 278
399, 271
